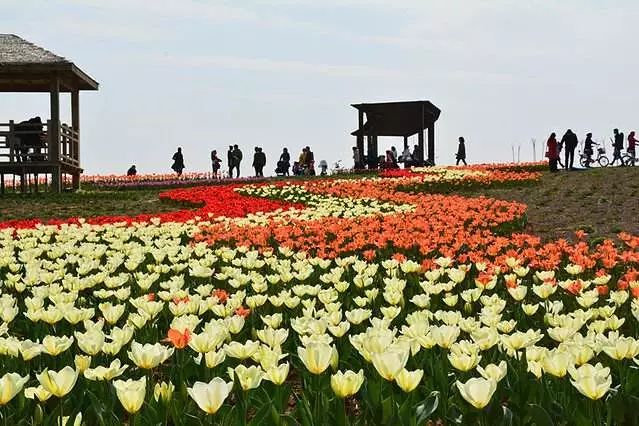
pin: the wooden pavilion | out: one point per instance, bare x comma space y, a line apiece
46, 148
403, 119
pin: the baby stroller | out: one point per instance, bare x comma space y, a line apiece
282, 168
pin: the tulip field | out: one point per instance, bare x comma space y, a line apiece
369, 300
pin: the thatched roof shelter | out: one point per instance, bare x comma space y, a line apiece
25, 67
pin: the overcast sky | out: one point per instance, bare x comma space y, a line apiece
273, 73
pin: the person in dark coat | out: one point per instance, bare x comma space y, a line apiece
178, 162
132, 171
552, 152
230, 160
310, 161
237, 159
261, 157
285, 161
618, 146
569, 142
461, 151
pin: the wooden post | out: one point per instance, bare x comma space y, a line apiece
54, 135
360, 137
75, 123
431, 143
420, 147
2, 183
405, 142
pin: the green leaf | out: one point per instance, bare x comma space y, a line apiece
539, 416
427, 407
508, 416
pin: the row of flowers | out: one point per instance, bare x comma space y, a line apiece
85, 309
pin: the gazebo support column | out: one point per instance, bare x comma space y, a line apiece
54, 136
360, 138
75, 123
420, 147
405, 142
431, 144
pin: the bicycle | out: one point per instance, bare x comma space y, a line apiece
338, 168
628, 159
601, 158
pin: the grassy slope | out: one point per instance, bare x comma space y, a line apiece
84, 204
603, 201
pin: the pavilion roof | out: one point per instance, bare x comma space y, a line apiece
396, 118
26, 67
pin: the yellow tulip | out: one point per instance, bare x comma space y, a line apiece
445, 335
37, 392
105, 373
391, 362
347, 384
277, 374
59, 383
241, 350
556, 363
214, 358
82, 362
477, 391
316, 356
131, 393
54, 345
149, 356
492, 371
163, 391
10, 385
249, 377
591, 381
210, 396
409, 380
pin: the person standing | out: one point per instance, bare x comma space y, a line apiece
285, 161
461, 151
237, 159
215, 163
357, 158
178, 162
552, 152
132, 171
395, 156
310, 160
230, 160
406, 157
256, 161
570, 142
262, 158
617, 147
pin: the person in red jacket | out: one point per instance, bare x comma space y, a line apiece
632, 142
552, 152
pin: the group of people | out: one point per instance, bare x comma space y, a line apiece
415, 158
569, 143
305, 164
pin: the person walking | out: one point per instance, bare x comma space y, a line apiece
237, 159
632, 142
230, 160
552, 152
285, 161
588, 148
461, 151
215, 163
178, 162
617, 145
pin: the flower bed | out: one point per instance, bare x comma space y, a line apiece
339, 300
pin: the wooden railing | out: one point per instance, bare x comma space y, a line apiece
69, 145
29, 142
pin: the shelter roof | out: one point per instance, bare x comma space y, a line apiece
396, 118
25, 67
